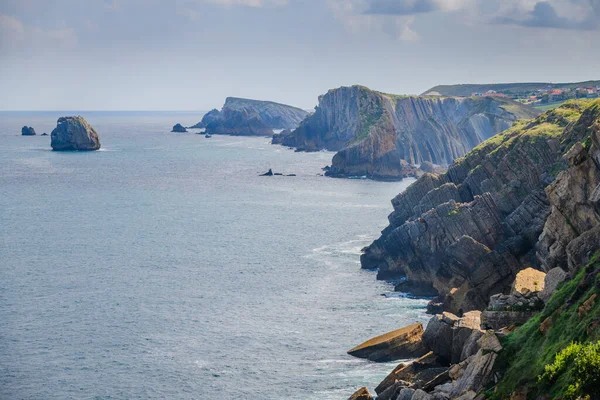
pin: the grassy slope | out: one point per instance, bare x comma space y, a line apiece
527, 351
468, 89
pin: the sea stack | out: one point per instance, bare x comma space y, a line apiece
74, 134
179, 128
27, 131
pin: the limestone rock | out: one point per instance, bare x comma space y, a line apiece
179, 128
439, 334
479, 368
463, 329
400, 344
500, 209
361, 394
245, 117
74, 133
529, 280
386, 137
553, 278
407, 373
406, 394
27, 131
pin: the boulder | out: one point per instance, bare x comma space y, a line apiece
400, 344
74, 133
406, 394
361, 394
528, 280
406, 373
463, 329
479, 368
439, 334
553, 278
27, 131
179, 128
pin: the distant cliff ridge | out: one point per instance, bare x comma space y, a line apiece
246, 117
469, 89
378, 135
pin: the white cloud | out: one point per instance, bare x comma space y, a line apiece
15, 36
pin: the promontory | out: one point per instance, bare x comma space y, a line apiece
245, 117
384, 136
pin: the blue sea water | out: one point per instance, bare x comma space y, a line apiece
164, 267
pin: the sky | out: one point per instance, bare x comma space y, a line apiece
192, 54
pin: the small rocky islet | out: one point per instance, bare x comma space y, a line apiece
74, 134
27, 131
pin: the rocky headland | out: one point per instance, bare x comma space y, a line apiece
74, 134
509, 240
384, 136
245, 117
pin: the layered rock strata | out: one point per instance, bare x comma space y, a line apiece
468, 232
385, 136
245, 117
74, 134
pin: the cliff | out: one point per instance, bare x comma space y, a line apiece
385, 136
527, 197
251, 118
466, 233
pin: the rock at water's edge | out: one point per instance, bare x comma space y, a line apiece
402, 343
268, 173
74, 133
361, 394
27, 131
179, 128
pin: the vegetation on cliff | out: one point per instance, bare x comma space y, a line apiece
468, 232
552, 353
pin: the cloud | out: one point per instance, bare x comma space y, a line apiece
353, 15
544, 15
17, 36
401, 7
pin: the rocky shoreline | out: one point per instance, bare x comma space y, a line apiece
494, 238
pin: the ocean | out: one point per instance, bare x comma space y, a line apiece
164, 267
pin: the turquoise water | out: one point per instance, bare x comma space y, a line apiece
163, 266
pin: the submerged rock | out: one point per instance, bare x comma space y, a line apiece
74, 133
27, 131
268, 173
401, 343
179, 128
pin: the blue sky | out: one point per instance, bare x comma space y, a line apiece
191, 54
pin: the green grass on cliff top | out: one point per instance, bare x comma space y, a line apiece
549, 124
527, 351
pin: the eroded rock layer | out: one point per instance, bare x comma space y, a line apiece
246, 117
468, 232
384, 136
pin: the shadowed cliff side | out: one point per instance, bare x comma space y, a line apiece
385, 136
466, 233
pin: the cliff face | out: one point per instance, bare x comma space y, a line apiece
251, 117
467, 233
379, 135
